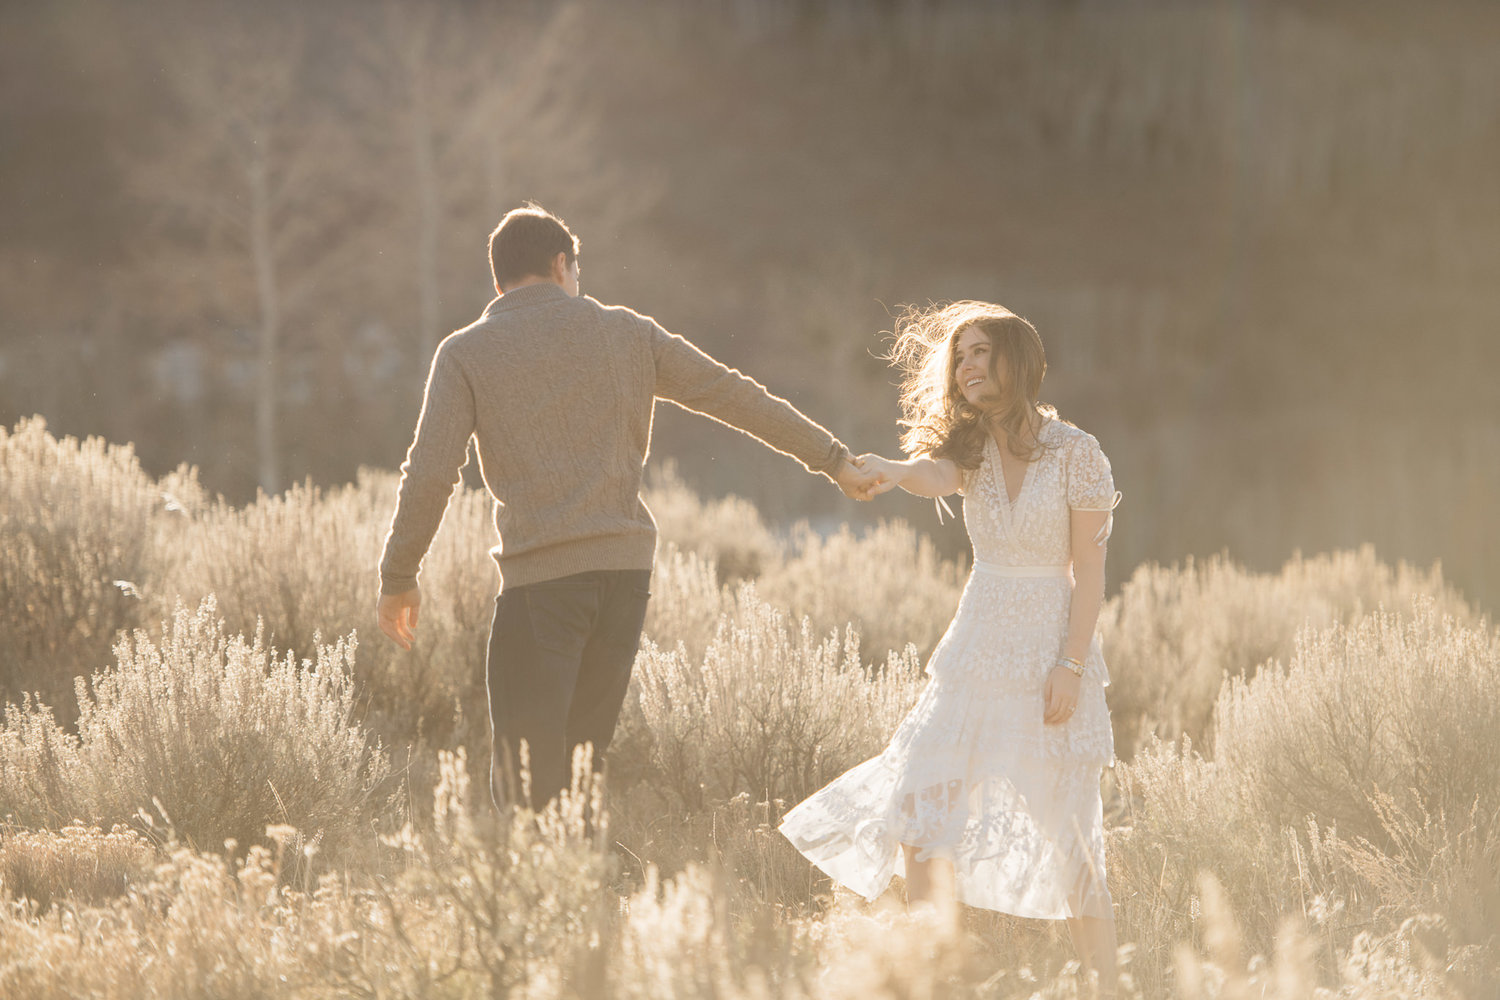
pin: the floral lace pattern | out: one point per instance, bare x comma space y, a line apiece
1072, 473
972, 774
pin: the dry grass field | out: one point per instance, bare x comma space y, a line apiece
218, 780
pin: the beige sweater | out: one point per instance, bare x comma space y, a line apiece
559, 393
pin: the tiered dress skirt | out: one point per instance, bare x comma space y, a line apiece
972, 775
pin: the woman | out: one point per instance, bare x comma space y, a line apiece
989, 789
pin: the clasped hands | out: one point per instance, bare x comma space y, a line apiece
866, 477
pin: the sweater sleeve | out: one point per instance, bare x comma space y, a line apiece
695, 381
431, 470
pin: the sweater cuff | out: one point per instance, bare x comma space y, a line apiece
396, 584
838, 454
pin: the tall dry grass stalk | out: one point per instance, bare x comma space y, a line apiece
77, 864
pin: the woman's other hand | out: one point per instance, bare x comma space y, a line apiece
1060, 696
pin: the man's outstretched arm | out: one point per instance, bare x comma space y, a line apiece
690, 378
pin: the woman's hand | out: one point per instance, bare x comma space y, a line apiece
923, 477
1060, 696
888, 473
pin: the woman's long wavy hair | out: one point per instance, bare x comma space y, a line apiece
939, 422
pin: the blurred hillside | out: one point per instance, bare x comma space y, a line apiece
1261, 240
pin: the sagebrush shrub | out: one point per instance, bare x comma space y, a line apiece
480, 908
1389, 706
721, 745
43, 782
509, 903
1174, 634
1364, 772
77, 528
306, 562
774, 708
218, 736
888, 582
727, 532
1187, 816
687, 600
1350, 784
225, 736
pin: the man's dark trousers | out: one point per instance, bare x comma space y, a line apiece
559, 664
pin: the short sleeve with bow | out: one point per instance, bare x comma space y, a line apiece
1091, 484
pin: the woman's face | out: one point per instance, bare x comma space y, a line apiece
979, 374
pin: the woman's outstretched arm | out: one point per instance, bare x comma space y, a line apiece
925, 477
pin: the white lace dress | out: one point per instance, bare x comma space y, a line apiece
972, 774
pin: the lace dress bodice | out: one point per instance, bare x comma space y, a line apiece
1071, 473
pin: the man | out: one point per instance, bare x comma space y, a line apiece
558, 390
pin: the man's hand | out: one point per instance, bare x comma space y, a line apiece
397, 614
858, 481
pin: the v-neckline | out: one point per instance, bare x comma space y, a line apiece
1010, 501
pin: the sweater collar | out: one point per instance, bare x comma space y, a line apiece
526, 295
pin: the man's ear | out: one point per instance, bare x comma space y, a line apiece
560, 267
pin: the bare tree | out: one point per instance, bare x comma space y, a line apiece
238, 180
411, 50
467, 104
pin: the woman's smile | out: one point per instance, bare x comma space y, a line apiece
971, 356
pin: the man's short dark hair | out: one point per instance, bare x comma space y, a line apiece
525, 243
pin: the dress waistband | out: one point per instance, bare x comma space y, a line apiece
995, 569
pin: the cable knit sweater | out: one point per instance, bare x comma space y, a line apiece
559, 393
